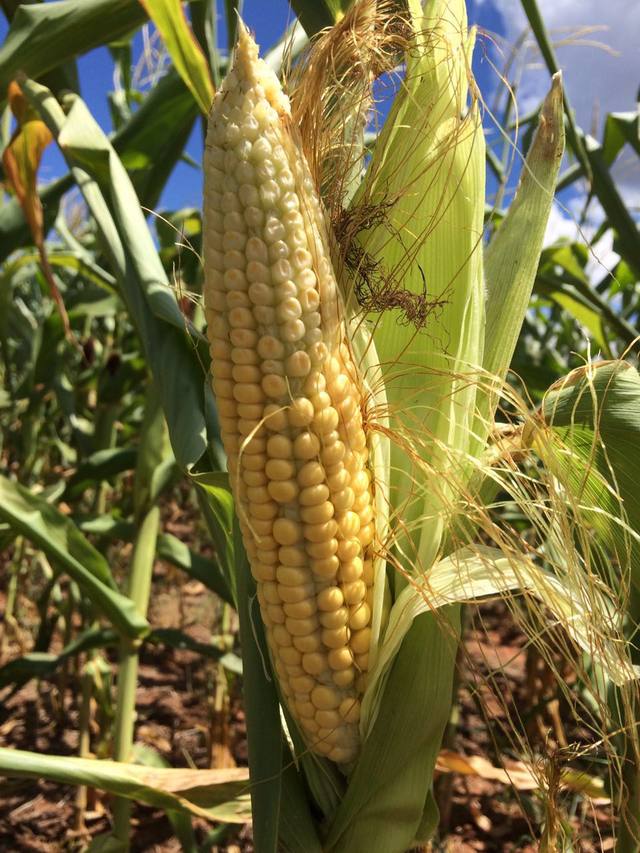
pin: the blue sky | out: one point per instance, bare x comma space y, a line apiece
267, 19
595, 77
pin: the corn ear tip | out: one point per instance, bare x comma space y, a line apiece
242, 33
246, 49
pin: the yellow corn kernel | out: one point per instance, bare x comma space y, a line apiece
290, 404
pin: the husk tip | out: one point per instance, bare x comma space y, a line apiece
551, 125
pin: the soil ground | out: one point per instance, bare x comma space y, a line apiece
190, 712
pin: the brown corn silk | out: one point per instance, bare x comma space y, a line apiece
290, 404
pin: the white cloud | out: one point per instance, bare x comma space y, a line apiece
602, 258
560, 225
596, 81
564, 224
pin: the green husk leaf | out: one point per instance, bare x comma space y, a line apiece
279, 802
187, 56
427, 178
470, 574
593, 446
511, 259
298, 832
383, 806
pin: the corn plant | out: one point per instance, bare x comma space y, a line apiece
357, 331
355, 411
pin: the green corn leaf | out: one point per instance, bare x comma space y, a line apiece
261, 709
83, 141
232, 9
65, 545
620, 129
203, 21
155, 462
86, 268
153, 307
180, 821
177, 639
315, 15
154, 137
14, 231
184, 50
43, 36
207, 570
20, 507
617, 211
216, 502
43, 665
575, 304
562, 277
99, 466
287, 48
106, 843
214, 794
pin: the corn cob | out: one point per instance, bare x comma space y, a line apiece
290, 404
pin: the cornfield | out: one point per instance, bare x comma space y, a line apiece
318, 510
